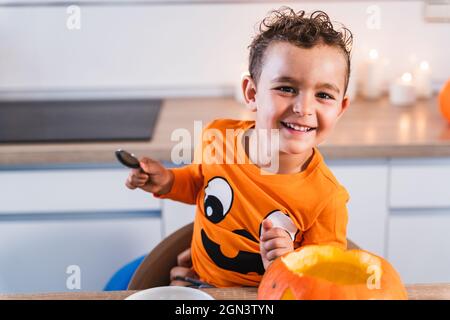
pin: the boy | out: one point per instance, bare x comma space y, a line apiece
246, 217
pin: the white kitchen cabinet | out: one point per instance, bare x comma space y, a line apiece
35, 252
366, 181
420, 183
419, 243
52, 218
419, 219
70, 190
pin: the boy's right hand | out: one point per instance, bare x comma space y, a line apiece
153, 177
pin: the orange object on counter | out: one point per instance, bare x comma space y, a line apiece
444, 100
330, 273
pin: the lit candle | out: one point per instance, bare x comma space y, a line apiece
352, 88
402, 92
372, 80
422, 80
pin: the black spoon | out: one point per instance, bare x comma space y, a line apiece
128, 159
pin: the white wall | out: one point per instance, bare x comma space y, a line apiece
184, 47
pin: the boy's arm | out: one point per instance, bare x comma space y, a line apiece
188, 181
331, 224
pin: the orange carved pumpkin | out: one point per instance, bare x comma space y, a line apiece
444, 100
330, 273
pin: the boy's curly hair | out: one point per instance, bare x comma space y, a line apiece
287, 25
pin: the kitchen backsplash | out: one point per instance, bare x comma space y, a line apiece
187, 49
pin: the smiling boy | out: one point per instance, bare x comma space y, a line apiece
299, 68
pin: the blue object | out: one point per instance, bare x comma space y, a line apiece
121, 279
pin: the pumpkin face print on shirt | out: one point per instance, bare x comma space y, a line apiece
218, 202
218, 199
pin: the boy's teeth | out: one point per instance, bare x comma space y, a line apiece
296, 127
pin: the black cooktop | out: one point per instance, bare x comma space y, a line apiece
78, 121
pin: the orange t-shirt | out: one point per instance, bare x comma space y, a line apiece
233, 199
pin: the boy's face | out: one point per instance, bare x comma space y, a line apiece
300, 92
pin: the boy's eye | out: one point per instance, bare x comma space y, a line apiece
325, 96
286, 89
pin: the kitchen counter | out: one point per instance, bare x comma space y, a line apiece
434, 291
372, 129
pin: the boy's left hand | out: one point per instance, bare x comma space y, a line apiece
183, 269
274, 242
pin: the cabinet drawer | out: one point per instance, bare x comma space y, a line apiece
418, 246
354, 177
36, 253
74, 190
420, 184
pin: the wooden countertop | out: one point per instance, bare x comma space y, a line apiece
368, 130
415, 292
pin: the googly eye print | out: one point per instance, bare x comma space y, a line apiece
218, 199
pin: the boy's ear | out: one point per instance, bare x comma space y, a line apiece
249, 91
344, 105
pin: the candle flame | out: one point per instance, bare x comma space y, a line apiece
373, 54
407, 77
424, 65
244, 73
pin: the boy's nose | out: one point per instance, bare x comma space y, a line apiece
302, 106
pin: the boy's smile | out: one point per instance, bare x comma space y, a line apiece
300, 92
